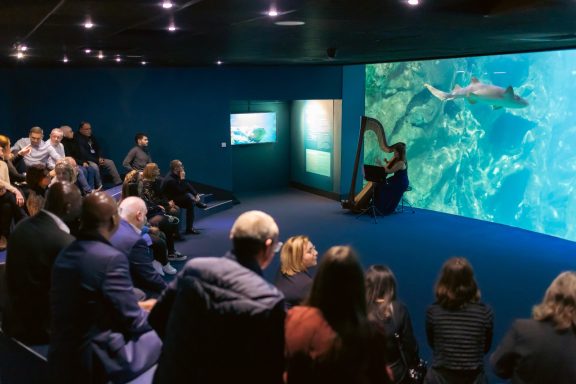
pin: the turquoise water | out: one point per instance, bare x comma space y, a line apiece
514, 166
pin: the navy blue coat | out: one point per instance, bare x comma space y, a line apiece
223, 323
91, 293
144, 276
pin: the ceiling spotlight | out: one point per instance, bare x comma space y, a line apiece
88, 24
143, 62
87, 51
20, 55
118, 59
413, 2
100, 55
22, 48
272, 12
171, 27
219, 62
167, 4
65, 59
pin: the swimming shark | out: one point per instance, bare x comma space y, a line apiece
477, 92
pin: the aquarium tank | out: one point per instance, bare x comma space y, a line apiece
491, 138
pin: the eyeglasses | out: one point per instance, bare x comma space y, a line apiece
278, 247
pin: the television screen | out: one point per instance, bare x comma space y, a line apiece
253, 128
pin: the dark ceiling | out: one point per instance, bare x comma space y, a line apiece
239, 32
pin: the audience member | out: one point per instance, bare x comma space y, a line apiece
90, 150
138, 156
458, 326
93, 305
294, 280
329, 339
175, 187
128, 238
542, 350
34, 245
55, 141
11, 199
37, 181
71, 148
69, 171
34, 150
223, 322
391, 318
14, 176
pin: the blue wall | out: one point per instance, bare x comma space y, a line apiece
185, 111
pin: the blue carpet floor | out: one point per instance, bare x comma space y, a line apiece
513, 266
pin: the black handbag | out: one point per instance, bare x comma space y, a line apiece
415, 374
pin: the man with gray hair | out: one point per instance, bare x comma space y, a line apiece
128, 239
221, 321
33, 150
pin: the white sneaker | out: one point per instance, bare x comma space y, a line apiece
158, 267
176, 256
169, 269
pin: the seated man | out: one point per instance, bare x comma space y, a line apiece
221, 321
34, 150
176, 188
34, 245
138, 156
128, 239
72, 149
90, 150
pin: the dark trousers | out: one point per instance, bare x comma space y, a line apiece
187, 202
9, 211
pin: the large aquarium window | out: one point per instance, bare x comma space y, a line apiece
491, 138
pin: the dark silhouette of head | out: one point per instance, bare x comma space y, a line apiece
64, 200
380, 291
99, 214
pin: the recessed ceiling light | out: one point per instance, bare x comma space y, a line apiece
167, 4
20, 55
292, 23
272, 13
118, 59
88, 24
65, 59
143, 62
100, 55
413, 2
172, 27
22, 48
87, 51
219, 62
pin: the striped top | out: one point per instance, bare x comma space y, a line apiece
459, 338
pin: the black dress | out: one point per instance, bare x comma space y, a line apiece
389, 193
295, 288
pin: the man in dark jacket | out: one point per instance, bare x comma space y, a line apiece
128, 238
138, 156
223, 322
34, 245
90, 150
175, 187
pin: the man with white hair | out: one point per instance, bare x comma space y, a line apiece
128, 239
221, 320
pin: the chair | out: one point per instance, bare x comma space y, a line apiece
375, 175
405, 203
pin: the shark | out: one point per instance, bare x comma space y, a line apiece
478, 92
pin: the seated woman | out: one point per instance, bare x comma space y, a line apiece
391, 318
329, 338
294, 280
37, 181
389, 194
11, 199
458, 327
543, 349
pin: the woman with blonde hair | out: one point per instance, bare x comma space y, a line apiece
294, 280
458, 327
543, 349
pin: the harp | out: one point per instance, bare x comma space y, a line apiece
372, 143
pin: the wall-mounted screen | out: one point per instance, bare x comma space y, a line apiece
252, 128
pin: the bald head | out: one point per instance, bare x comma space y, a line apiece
100, 214
64, 200
133, 210
254, 235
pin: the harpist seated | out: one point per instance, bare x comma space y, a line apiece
389, 193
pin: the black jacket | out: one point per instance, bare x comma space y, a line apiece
222, 323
